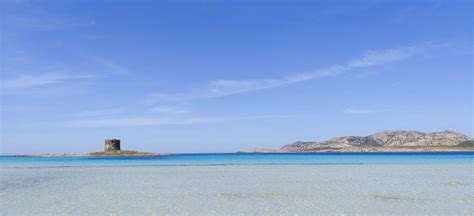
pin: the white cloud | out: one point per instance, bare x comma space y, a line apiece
160, 120
374, 58
220, 88
167, 114
25, 68
30, 81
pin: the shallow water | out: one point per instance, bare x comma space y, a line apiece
429, 185
244, 159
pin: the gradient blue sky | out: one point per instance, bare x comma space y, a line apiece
223, 76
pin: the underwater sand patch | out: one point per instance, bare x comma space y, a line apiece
454, 184
328, 181
389, 198
275, 196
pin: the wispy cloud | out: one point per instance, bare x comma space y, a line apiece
375, 58
23, 67
109, 66
171, 112
160, 97
28, 16
357, 111
160, 120
170, 109
30, 81
140, 121
220, 88
102, 112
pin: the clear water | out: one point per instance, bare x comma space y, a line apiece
244, 159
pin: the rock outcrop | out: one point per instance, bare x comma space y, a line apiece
112, 145
389, 140
94, 154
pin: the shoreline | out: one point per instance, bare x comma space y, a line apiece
411, 149
119, 153
271, 151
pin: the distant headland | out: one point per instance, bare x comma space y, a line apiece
111, 148
386, 141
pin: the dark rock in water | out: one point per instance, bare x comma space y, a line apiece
112, 145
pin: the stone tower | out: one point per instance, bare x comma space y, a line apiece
112, 145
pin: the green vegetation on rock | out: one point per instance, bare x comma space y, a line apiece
120, 153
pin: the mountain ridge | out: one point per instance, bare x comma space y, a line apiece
387, 140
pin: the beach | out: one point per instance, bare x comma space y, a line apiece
331, 189
207, 107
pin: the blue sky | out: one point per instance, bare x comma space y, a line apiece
223, 76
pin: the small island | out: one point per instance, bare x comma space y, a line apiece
111, 148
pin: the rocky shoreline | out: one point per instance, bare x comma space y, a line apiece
94, 154
386, 141
373, 149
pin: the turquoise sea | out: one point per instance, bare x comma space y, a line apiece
244, 159
240, 184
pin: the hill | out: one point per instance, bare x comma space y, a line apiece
397, 140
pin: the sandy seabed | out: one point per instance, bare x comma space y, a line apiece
403, 189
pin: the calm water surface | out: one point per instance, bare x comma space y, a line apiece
244, 159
